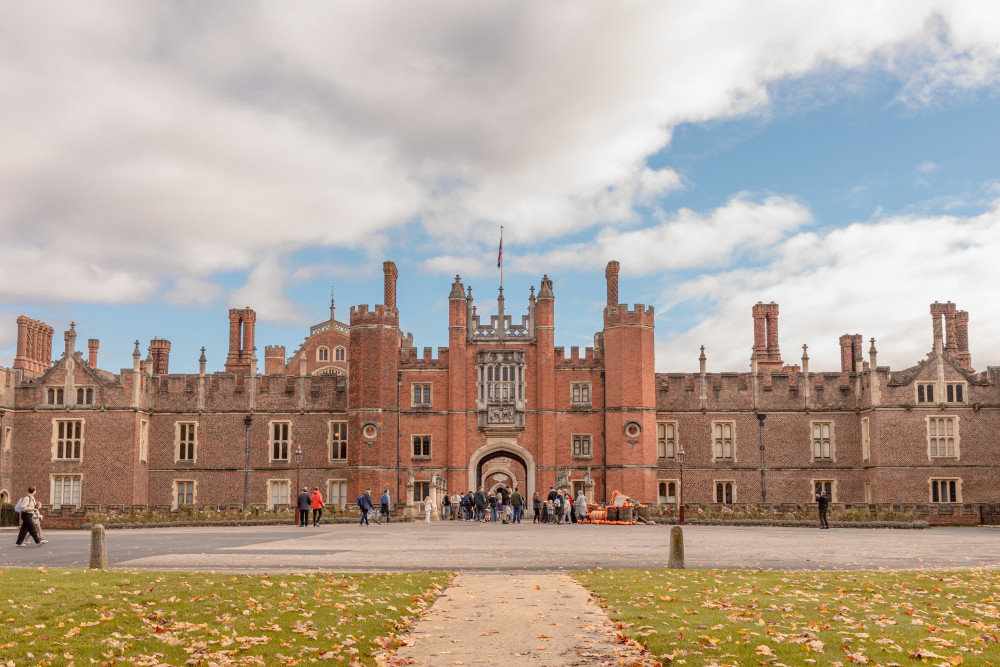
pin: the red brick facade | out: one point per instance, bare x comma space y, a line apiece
501, 403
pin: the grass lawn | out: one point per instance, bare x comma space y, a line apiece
85, 617
716, 617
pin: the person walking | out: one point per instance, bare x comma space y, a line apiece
428, 506
384, 502
365, 503
305, 504
536, 506
823, 503
29, 508
317, 505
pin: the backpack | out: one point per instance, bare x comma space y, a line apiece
361, 501
557, 502
17, 507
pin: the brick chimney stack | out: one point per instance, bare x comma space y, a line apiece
850, 353
389, 268
34, 345
765, 336
611, 274
92, 345
159, 348
964, 357
241, 330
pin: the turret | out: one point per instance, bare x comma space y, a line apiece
274, 358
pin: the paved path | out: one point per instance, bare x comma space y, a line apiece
514, 619
476, 547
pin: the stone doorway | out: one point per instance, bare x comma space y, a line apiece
502, 463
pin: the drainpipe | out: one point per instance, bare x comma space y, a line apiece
399, 383
604, 437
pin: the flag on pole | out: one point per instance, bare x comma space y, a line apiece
500, 254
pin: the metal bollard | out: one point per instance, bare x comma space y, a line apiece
676, 561
98, 548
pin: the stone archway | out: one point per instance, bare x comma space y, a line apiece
503, 448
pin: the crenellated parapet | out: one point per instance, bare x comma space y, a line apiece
381, 315
622, 315
589, 358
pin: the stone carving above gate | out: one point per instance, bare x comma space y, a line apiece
501, 381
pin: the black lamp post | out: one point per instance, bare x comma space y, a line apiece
247, 421
298, 468
680, 460
763, 492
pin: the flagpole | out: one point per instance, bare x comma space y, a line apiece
500, 259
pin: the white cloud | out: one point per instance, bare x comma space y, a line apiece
147, 143
683, 240
875, 278
264, 291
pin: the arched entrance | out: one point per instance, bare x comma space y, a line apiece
482, 456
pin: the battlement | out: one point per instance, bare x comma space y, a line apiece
622, 314
382, 314
574, 359
411, 361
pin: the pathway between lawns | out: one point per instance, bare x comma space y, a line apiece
516, 619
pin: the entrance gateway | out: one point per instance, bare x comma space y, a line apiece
497, 449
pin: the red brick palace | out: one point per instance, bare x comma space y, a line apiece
357, 406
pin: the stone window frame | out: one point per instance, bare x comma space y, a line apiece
677, 491
933, 484
866, 439
426, 389
63, 477
585, 452
80, 445
177, 493
8, 433
55, 395
84, 395
143, 440
833, 489
959, 392
813, 423
422, 484
270, 491
343, 443
714, 440
341, 498
192, 442
664, 423
273, 441
577, 390
920, 397
955, 436
429, 445
322, 354
715, 491
340, 353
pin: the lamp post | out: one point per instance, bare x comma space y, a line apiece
298, 468
763, 492
680, 460
247, 421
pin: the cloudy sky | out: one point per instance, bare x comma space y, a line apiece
162, 162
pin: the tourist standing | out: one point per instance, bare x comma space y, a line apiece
29, 508
568, 508
384, 503
581, 506
480, 501
536, 507
428, 506
517, 503
824, 503
305, 504
447, 507
317, 506
456, 505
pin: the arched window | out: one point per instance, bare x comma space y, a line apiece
323, 354
340, 354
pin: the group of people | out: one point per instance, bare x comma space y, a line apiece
506, 506
367, 507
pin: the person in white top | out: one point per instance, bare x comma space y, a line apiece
29, 508
428, 506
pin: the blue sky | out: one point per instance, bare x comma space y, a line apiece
165, 162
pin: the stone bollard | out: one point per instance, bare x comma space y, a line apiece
98, 549
676, 561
